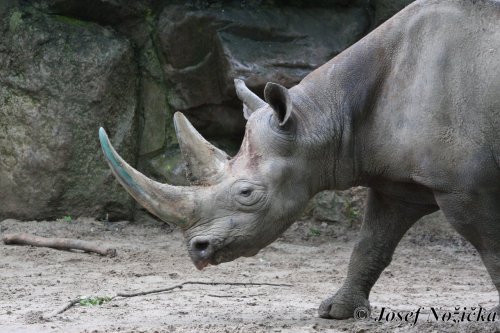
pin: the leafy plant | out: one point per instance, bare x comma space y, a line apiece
352, 211
315, 232
93, 301
16, 19
67, 218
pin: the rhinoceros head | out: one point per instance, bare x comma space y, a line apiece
238, 205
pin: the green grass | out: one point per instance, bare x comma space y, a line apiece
93, 301
16, 19
315, 232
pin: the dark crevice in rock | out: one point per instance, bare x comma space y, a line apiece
160, 156
99, 11
253, 4
298, 64
261, 34
170, 137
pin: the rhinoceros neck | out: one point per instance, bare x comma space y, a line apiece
331, 101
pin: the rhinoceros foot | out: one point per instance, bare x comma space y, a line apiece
343, 305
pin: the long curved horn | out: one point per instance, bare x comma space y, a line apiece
252, 102
205, 162
170, 203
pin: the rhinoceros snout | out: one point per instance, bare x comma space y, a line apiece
201, 251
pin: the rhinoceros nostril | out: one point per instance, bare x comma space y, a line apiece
201, 245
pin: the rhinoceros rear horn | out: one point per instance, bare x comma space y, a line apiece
173, 204
251, 101
205, 162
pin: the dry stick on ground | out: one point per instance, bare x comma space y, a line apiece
230, 296
180, 285
57, 243
62, 309
154, 291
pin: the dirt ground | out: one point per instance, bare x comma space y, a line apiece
433, 267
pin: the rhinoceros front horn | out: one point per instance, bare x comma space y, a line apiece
205, 162
173, 204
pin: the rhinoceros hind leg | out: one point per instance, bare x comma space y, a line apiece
386, 221
476, 216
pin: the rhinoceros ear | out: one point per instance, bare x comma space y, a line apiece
251, 102
205, 162
279, 99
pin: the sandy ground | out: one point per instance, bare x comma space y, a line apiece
433, 267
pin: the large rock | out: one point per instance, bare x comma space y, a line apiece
205, 49
338, 206
60, 79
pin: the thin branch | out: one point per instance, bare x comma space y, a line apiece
75, 301
222, 296
230, 296
180, 285
57, 243
62, 309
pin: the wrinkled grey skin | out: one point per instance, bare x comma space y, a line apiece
412, 111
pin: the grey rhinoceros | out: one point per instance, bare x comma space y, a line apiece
411, 111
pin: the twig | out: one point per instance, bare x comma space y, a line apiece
57, 243
180, 285
230, 296
177, 286
62, 309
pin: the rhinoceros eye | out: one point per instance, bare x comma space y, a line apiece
246, 192
248, 195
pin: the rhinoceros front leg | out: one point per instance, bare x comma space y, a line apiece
386, 221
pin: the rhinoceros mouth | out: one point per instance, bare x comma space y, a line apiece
200, 264
214, 260
220, 256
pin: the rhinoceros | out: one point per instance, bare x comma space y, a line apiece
411, 111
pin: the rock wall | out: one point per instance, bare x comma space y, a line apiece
70, 66
60, 79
